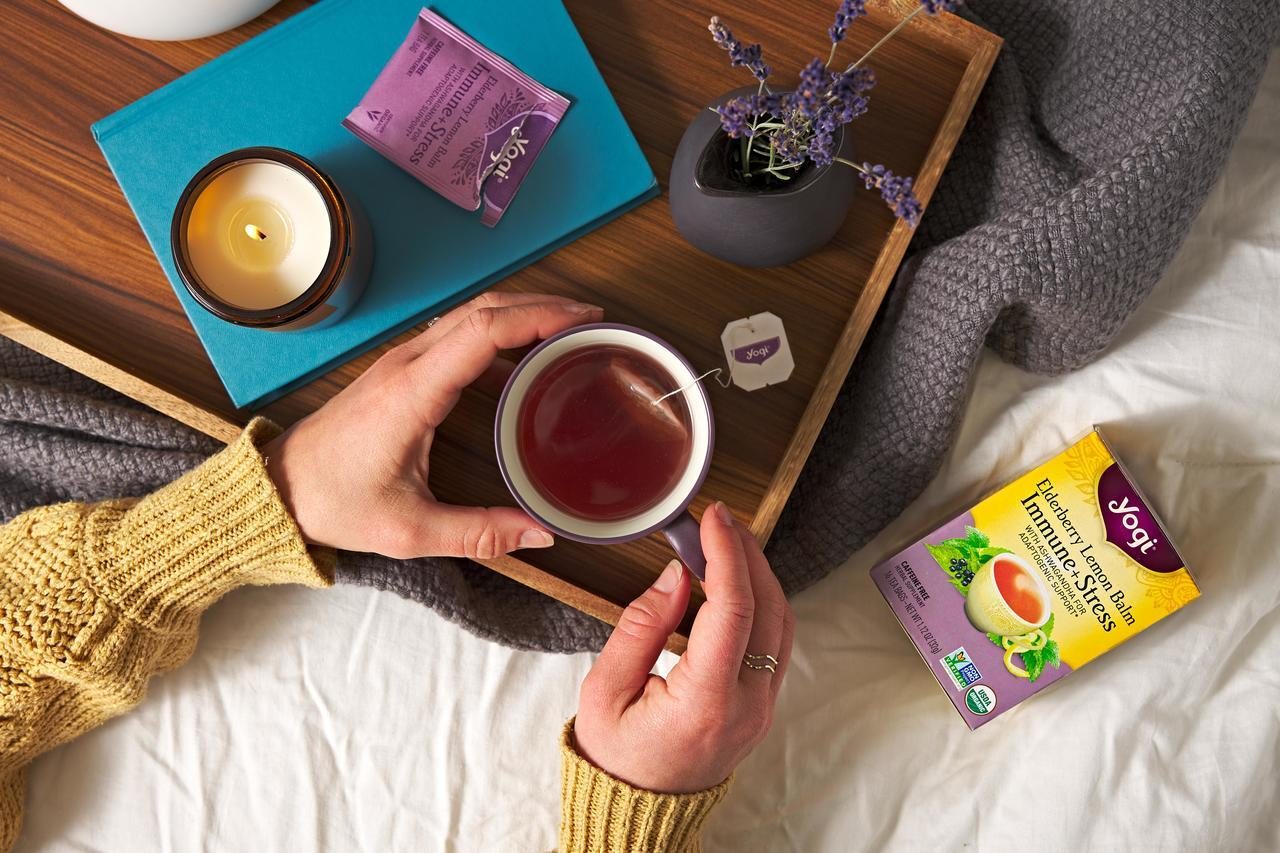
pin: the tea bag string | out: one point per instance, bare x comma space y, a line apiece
717, 372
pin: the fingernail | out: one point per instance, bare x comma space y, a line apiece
536, 539
583, 308
670, 576
722, 513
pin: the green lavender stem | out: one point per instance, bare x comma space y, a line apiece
893, 32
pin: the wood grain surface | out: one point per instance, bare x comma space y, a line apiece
79, 283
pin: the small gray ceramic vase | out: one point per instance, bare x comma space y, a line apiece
747, 226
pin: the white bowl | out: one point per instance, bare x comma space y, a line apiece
168, 20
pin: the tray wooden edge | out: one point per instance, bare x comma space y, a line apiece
886, 266
576, 597
118, 379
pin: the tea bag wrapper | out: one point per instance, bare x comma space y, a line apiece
458, 117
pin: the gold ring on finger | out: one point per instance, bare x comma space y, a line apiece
752, 661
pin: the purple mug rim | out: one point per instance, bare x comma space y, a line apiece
604, 540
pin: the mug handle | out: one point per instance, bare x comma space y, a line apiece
685, 537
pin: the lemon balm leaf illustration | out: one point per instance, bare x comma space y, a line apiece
976, 537
1034, 662
985, 554
944, 553
955, 561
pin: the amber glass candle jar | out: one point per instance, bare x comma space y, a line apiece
262, 238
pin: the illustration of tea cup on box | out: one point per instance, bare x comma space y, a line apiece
1007, 597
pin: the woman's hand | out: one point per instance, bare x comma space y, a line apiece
688, 732
354, 473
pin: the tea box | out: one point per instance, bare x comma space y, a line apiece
1052, 570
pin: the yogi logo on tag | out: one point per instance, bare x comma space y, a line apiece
757, 351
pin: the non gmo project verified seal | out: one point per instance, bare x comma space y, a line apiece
960, 668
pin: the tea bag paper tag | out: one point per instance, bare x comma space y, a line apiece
757, 352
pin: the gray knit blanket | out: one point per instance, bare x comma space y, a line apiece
1101, 130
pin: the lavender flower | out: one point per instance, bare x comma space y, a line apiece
735, 116
813, 86
849, 89
822, 147
750, 56
772, 103
895, 190
780, 131
790, 148
848, 12
933, 7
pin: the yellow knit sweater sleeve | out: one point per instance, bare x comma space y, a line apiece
95, 599
601, 814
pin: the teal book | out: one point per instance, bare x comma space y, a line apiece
291, 87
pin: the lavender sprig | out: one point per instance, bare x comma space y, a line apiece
780, 132
848, 12
749, 56
811, 92
822, 147
735, 117
849, 92
894, 189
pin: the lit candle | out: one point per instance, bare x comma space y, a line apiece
261, 237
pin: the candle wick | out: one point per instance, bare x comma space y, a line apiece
255, 233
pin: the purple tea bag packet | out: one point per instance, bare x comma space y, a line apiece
457, 116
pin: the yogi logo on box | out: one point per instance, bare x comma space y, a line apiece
960, 668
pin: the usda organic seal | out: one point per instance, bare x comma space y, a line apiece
980, 699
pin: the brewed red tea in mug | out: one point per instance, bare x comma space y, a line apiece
596, 440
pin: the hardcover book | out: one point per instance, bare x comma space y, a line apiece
291, 87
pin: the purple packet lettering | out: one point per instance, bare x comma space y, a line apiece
458, 117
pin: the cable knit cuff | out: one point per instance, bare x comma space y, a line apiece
601, 813
168, 556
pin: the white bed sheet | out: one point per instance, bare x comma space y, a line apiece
351, 720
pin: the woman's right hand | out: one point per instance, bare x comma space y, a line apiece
689, 731
354, 473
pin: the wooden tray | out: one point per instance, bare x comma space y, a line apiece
79, 283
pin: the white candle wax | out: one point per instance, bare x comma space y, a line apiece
258, 235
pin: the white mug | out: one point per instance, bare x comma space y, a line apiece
671, 514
